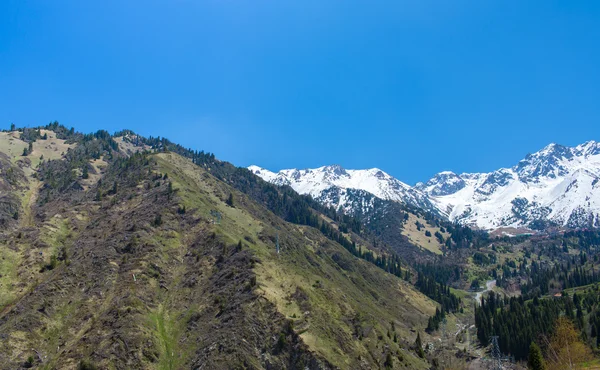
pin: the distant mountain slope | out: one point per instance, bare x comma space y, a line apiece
557, 186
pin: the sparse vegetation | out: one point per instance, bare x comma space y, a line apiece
129, 253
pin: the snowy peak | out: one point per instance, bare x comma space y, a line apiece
443, 183
318, 182
261, 172
588, 148
557, 185
548, 162
335, 170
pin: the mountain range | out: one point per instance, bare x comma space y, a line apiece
124, 252
557, 186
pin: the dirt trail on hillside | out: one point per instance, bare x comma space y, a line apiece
32, 197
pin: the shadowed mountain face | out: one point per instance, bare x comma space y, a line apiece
117, 253
557, 186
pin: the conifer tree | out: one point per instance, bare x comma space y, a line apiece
389, 363
170, 190
230, 200
535, 360
419, 346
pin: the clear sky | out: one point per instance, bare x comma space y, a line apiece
412, 87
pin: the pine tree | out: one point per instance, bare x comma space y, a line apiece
230, 200
389, 363
85, 173
535, 360
170, 190
419, 346
430, 326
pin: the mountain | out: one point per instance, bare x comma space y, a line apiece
557, 186
345, 189
124, 252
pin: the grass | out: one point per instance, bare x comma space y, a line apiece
166, 333
52, 148
9, 262
11, 145
28, 200
419, 238
99, 166
168, 241
580, 288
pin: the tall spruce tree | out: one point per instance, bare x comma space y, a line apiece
230, 200
419, 346
535, 360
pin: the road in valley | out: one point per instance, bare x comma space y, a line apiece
489, 285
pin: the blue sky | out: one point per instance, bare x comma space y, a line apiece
411, 87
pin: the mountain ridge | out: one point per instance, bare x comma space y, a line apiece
555, 186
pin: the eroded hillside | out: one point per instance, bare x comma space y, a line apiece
123, 258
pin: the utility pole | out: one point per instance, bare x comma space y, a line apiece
444, 323
468, 338
496, 355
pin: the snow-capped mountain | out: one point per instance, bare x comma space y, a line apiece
337, 187
558, 185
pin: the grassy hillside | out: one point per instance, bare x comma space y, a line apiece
144, 264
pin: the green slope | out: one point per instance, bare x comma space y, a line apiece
115, 273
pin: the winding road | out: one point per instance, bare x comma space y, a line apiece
489, 285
